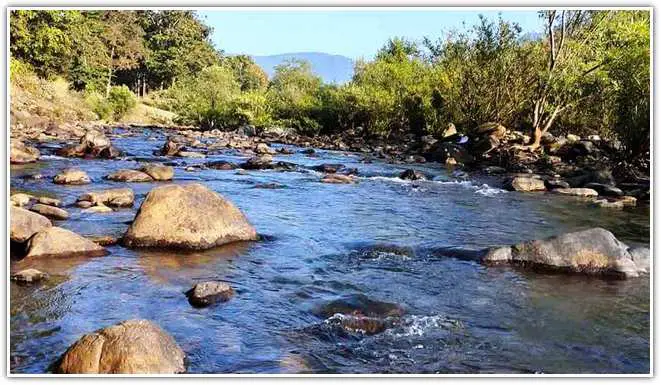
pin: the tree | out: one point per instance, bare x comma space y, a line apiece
573, 64
122, 37
42, 39
251, 76
293, 95
179, 45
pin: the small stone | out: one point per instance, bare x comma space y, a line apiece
338, 179
100, 208
72, 176
158, 171
125, 175
191, 154
605, 203
525, 184
84, 204
104, 240
50, 211
20, 199
580, 192
29, 276
206, 293
49, 201
412, 175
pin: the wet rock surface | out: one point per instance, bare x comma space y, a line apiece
207, 293
594, 251
130, 347
189, 217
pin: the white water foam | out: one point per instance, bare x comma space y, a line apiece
51, 157
483, 189
419, 325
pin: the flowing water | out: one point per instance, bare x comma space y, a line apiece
323, 242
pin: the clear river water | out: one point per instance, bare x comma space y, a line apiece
322, 242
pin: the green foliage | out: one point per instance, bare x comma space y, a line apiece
588, 74
119, 103
206, 99
293, 96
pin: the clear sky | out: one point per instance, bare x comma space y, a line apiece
344, 32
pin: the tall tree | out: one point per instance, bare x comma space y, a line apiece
572, 62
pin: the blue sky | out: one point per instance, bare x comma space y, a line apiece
350, 33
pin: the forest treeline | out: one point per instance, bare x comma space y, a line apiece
587, 73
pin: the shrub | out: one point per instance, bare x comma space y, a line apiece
121, 100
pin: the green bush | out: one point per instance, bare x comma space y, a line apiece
121, 101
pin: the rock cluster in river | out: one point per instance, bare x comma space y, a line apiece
94, 144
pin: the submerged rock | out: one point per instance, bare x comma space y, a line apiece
104, 240
359, 304
221, 165
188, 217
338, 179
412, 175
130, 347
329, 168
594, 251
19, 153
206, 293
72, 176
59, 242
359, 323
24, 224
29, 276
261, 162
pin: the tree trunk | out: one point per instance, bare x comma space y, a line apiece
112, 53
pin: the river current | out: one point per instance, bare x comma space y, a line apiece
387, 239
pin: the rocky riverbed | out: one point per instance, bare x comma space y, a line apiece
251, 255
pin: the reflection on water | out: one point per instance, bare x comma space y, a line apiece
389, 240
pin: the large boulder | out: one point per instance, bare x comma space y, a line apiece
125, 175
595, 251
130, 347
24, 224
189, 217
19, 153
59, 242
117, 197
72, 176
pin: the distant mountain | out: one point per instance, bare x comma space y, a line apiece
332, 68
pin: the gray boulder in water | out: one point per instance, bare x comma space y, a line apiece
595, 251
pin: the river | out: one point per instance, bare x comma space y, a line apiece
322, 242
